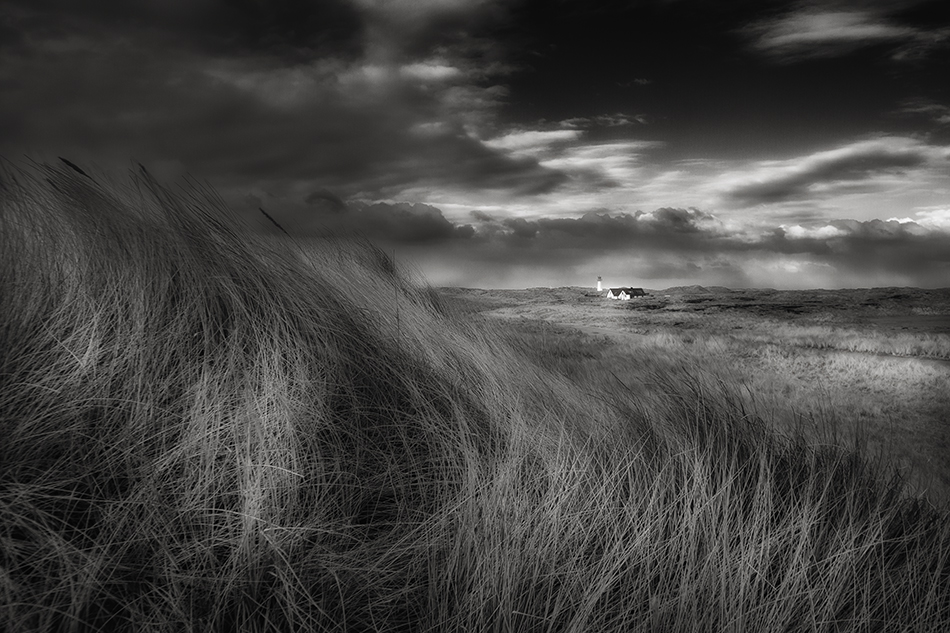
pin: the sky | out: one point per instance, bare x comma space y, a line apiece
522, 143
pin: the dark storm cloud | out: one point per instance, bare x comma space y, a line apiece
848, 166
594, 232
322, 213
870, 247
681, 220
303, 108
415, 28
406, 223
521, 228
600, 230
295, 29
692, 231
561, 250
326, 200
604, 120
265, 94
675, 243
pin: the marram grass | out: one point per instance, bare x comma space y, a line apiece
203, 430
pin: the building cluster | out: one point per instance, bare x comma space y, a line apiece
622, 294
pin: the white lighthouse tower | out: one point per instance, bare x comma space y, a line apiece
599, 287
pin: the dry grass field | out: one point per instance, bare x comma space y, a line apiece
866, 367
205, 430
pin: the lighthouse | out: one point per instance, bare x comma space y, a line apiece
599, 287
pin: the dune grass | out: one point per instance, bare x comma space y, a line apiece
915, 344
894, 405
205, 430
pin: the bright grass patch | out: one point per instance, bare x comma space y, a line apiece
203, 430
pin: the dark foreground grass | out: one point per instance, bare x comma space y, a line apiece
201, 430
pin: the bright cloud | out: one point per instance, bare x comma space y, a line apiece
935, 219
807, 28
814, 32
797, 232
430, 71
532, 141
615, 162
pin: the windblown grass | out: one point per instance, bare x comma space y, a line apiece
203, 430
848, 339
882, 403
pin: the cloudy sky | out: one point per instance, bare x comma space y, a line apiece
518, 143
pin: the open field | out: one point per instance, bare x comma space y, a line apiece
875, 362
205, 430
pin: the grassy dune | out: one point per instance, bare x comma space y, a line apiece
204, 430
846, 385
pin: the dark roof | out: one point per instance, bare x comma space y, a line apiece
629, 291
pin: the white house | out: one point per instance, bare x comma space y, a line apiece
624, 294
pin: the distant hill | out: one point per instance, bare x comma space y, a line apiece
695, 289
